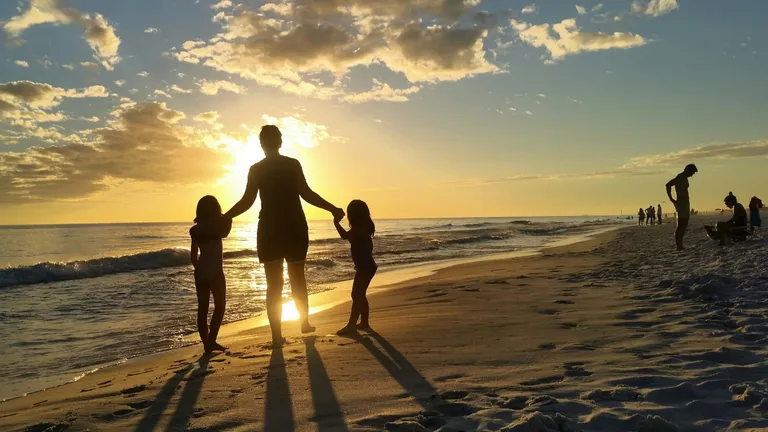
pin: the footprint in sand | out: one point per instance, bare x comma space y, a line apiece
140, 405
133, 390
544, 380
564, 302
575, 370
497, 282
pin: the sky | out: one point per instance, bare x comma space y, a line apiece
131, 111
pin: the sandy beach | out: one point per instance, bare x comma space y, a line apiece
618, 333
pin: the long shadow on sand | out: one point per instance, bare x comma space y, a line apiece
328, 414
186, 405
278, 409
400, 368
155, 411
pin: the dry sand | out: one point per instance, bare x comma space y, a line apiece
620, 333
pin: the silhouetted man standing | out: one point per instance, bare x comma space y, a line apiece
683, 202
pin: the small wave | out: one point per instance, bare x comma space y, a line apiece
521, 222
142, 237
475, 239
57, 272
321, 262
240, 253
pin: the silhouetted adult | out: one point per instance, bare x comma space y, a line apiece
658, 214
283, 234
683, 202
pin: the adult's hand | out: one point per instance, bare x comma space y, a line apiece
338, 214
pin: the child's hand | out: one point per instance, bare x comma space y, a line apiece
338, 215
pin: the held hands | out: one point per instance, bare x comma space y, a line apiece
338, 214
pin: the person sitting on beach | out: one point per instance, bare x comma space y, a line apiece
724, 230
755, 204
683, 202
360, 237
640, 217
210, 227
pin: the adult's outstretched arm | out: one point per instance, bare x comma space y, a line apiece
246, 202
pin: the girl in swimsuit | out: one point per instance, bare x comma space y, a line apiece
210, 227
360, 237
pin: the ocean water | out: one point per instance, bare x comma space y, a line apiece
76, 297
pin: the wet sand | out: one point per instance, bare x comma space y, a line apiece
616, 333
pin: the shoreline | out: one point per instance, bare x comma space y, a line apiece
595, 336
331, 295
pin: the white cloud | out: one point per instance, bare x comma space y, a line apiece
598, 7
93, 119
654, 8
566, 38
143, 74
97, 31
44, 62
91, 66
211, 118
68, 66
528, 112
22, 63
120, 83
581, 10
531, 8
381, 92
377, 121
223, 4
213, 87
297, 46
176, 89
161, 93
151, 30
731, 150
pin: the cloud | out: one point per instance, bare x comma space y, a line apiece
598, 7
144, 144
581, 10
22, 63
42, 95
308, 47
223, 4
732, 150
143, 74
654, 8
97, 31
176, 89
566, 38
381, 92
161, 93
68, 66
120, 83
151, 30
210, 117
212, 88
91, 66
530, 9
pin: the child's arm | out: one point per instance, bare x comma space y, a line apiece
193, 250
342, 232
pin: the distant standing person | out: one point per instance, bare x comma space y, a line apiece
652, 210
360, 238
683, 202
755, 204
283, 234
640, 217
658, 214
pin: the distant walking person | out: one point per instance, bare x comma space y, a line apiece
283, 234
658, 214
210, 227
755, 204
360, 237
683, 202
640, 217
